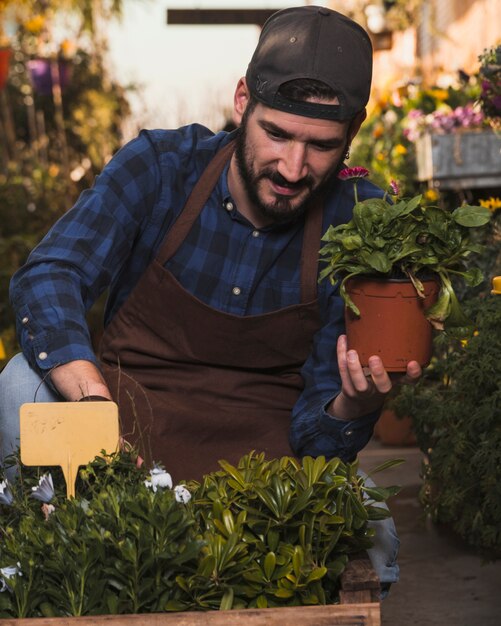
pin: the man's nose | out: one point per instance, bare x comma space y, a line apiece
292, 165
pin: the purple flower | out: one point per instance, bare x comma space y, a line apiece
45, 489
353, 172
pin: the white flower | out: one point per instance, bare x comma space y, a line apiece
5, 493
9, 572
159, 478
182, 494
45, 489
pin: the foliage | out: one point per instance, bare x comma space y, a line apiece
262, 533
490, 80
455, 411
52, 144
406, 239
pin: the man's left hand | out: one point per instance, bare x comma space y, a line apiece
364, 389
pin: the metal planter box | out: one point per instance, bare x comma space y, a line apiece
460, 160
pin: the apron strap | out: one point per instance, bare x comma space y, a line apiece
196, 201
310, 252
201, 193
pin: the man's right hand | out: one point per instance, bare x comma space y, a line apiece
79, 379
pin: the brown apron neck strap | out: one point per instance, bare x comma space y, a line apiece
196, 201
201, 193
310, 252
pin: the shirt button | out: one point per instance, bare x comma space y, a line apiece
348, 433
236, 291
42, 356
255, 233
25, 320
229, 206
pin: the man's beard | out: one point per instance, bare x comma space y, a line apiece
282, 209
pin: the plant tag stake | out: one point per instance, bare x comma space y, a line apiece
68, 434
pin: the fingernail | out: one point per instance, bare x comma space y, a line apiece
351, 355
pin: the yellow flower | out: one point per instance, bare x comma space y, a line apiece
67, 48
440, 94
380, 156
400, 149
464, 342
53, 170
431, 195
493, 204
35, 24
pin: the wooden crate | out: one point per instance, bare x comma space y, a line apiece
359, 607
460, 160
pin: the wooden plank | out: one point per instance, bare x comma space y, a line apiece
367, 614
218, 16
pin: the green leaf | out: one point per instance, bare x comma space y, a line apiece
317, 574
270, 561
227, 600
472, 216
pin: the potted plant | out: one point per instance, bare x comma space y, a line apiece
406, 247
261, 534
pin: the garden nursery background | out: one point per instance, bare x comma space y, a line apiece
434, 125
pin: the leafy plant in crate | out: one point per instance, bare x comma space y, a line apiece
263, 533
418, 248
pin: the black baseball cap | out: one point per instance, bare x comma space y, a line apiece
317, 43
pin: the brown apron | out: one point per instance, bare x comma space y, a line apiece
194, 384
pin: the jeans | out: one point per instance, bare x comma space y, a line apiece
19, 384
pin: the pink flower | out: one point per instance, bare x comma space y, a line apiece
394, 189
353, 172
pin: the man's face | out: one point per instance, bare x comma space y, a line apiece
285, 160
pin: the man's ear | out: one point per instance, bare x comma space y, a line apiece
240, 100
355, 124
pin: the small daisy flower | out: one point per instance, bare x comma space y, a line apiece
5, 493
159, 478
45, 489
8, 572
182, 494
353, 172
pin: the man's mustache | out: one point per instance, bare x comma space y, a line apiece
278, 179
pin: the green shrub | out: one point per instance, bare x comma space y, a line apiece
456, 411
263, 533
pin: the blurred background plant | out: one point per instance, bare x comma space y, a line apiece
61, 116
490, 83
455, 410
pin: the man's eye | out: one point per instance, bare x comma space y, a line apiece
274, 134
323, 147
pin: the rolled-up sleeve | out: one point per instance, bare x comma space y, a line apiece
79, 258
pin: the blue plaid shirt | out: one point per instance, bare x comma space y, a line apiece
113, 232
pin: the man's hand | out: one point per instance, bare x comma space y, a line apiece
364, 390
79, 379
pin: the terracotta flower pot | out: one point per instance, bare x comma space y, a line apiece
4, 66
392, 323
392, 430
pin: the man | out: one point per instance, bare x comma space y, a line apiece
218, 339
